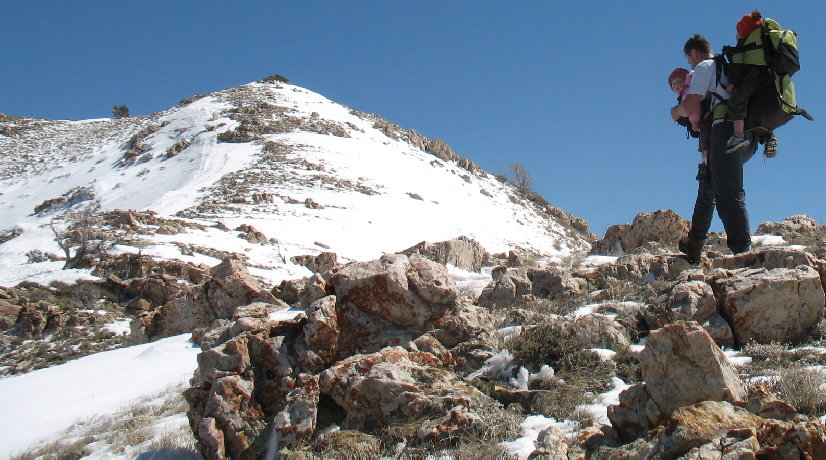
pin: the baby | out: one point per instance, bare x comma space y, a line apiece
680, 81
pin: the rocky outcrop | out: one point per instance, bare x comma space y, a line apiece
790, 227
462, 252
636, 267
359, 358
663, 227
515, 286
228, 286
768, 258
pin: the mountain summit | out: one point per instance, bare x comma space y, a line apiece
306, 173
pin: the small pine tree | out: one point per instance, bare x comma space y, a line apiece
120, 111
275, 79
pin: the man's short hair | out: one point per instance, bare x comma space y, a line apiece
699, 43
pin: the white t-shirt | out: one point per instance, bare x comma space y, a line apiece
704, 81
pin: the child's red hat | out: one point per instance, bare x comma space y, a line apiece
749, 23
679, 72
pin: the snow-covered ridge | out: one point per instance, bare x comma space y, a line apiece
310, 174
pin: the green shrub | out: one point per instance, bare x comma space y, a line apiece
548, 344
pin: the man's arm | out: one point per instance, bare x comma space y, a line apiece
688, 105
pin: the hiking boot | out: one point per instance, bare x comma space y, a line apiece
693, 250
702, 172
770, 147
736, 143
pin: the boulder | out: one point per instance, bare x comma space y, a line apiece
703, 423
440, 149
635, 414
322, 262
239, 380
508, 287
553, 282
682, 365
322, 332
395, 385
407, 291
781, 304
550, 443
694, 301
353, 360
465, 322
461, 252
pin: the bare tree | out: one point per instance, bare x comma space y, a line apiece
78, 234
521, 177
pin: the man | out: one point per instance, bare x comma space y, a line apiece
725, 190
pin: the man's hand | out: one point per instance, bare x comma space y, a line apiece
689, 104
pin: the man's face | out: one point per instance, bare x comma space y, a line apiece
693, 57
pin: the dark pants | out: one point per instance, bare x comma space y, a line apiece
725, 190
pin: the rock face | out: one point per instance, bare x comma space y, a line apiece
781, 304
682, 365
662, 226
462, 252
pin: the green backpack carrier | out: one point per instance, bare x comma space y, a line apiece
771, 46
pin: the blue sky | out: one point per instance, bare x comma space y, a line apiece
574, 91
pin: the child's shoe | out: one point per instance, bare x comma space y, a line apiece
702, 172
736, 143
770, 147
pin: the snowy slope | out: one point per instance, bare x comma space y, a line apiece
44, 402
319, 175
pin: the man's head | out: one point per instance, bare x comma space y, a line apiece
697, 49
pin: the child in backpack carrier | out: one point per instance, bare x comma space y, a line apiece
744, 80
680, 80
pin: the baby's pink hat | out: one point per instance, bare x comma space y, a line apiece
679, 72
